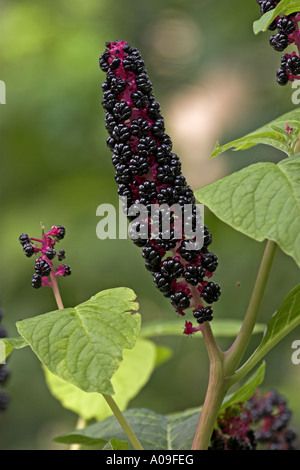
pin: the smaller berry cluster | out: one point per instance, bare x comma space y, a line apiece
233, 430
261, 423
271, 417
4, 372
44, 263
288, 32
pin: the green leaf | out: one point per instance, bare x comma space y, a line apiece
134, 372
115, 444
221, 328
262, 201
247, 390
285, 7
155, 431
84, 345
285, 320
13, 343
273, 134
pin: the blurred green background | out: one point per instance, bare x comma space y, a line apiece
215, 80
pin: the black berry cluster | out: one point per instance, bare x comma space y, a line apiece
261, 423
286, 32
148, 173
45, 248
271, 418
4, 371
234, 430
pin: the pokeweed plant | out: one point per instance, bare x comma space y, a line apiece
96, 356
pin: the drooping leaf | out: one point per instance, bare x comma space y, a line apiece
285, 320
134, 372
262, 201
83, 345
115, 444
247, 390
285, 7
273, 134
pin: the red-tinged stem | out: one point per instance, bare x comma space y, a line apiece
215, 393
56, 292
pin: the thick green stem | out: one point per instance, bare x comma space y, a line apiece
56, 292
123, 422
223, 365
215, 392
234, 355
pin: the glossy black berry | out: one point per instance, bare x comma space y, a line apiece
171, 268
42, 267
24, 239
139, 165
36, 281
146, 147
140, 127
293, 65
67, 270
163, 284
121, 111
282, 77
152, 257
180, 300
148, 191
61, 233
286, 25
28, 249
139, 99
279, 41
203, 314
209, 261
143, 83
211, 292
194, 274
122, 153
109, 100
266, 6
121, 133
50, 253
186, 253
123, 174
207, 236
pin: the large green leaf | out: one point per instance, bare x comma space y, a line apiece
285, 7
83, 345
285, 320
155, 431
262, 201
134, 372
273, 134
